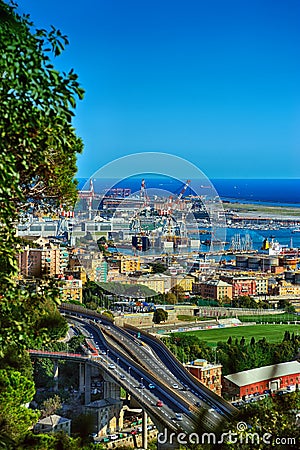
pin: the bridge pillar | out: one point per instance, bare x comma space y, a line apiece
111, 390
144, 431
81, 378
87, 390
55, 375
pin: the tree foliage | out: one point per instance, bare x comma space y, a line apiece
38, 144
158, 267
15, 391
160, 315
38, 148
51, 405
235, 356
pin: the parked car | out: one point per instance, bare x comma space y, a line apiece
113, 437
291, 388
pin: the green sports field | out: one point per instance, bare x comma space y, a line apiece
273, 333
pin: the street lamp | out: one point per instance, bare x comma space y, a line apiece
142, 390
118, 360
129, 370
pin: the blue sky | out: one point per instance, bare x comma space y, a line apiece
213, 81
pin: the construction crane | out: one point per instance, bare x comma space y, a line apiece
183, 190
140, 240
143, 194
172, 205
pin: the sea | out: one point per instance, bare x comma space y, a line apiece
278, 192
269, 192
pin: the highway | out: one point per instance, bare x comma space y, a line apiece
174, 380
146, 361
208, 397
130, 375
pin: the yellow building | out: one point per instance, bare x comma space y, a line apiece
155, 282
214, 289
130, 264
70, 289
184, 281
285, 288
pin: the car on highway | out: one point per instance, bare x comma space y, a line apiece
113, 437
103, 352
122, 377
198, 404
159, 403
178, 416
141, 386
111, 366
213, 412
175, 386
151, 386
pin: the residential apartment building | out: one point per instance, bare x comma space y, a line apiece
70, 289
209, 374
284, 288
214, 289
184, 281
155, 282
262, 285
129, 264
241, 285
49, 260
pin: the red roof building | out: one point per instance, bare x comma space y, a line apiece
258, 381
